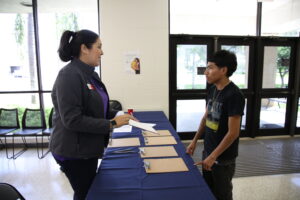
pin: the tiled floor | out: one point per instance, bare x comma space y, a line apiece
275, 187
42, 180
263, 156
36, 179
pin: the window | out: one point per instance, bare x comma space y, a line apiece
266, 65
53, 21
240, 76
281, 18
272, 114
189, 58
189, 114
207, 17
18, 70
276, 66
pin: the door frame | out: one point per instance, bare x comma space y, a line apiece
254, 92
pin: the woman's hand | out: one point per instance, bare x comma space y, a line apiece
123, 119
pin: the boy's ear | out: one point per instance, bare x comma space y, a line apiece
224, 70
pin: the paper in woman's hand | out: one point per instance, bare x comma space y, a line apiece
144, 126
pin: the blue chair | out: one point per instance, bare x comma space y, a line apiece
9, 122
33, 123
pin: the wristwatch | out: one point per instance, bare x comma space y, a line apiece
113, 123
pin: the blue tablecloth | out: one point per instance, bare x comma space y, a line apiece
122, 176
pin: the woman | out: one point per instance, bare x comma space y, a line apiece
82, 115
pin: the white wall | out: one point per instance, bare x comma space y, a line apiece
136, 26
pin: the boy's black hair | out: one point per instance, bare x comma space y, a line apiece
224, 58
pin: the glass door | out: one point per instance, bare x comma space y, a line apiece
188, 60
267, 74
243, 76
275, 90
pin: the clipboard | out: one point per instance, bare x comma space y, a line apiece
159, 140
158, 134
162, 151
124, 142
165, 165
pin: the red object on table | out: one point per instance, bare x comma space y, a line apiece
130, 111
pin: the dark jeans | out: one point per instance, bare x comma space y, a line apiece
219, 179
81, 173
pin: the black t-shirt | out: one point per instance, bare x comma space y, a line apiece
221, 104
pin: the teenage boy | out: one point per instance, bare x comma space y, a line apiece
220, 125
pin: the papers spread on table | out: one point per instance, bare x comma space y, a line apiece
123, 129
165, 165
158, 134
144, 126
124, 142
162, 151
159, 140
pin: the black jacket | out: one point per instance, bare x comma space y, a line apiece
80, 129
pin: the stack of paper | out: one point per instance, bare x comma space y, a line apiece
123, 129
165, 165
163, 151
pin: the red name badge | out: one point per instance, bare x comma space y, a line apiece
90, 86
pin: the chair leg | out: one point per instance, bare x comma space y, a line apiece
6, 149
43, 155
16, 155
2, 144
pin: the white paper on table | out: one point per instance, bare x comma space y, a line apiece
122, 129
148, 124
144, 126
120, 113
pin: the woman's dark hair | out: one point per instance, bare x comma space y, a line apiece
71, 42
224, 58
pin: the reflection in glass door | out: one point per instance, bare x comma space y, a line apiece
189, 114
276, 66
189, 58
272, 113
